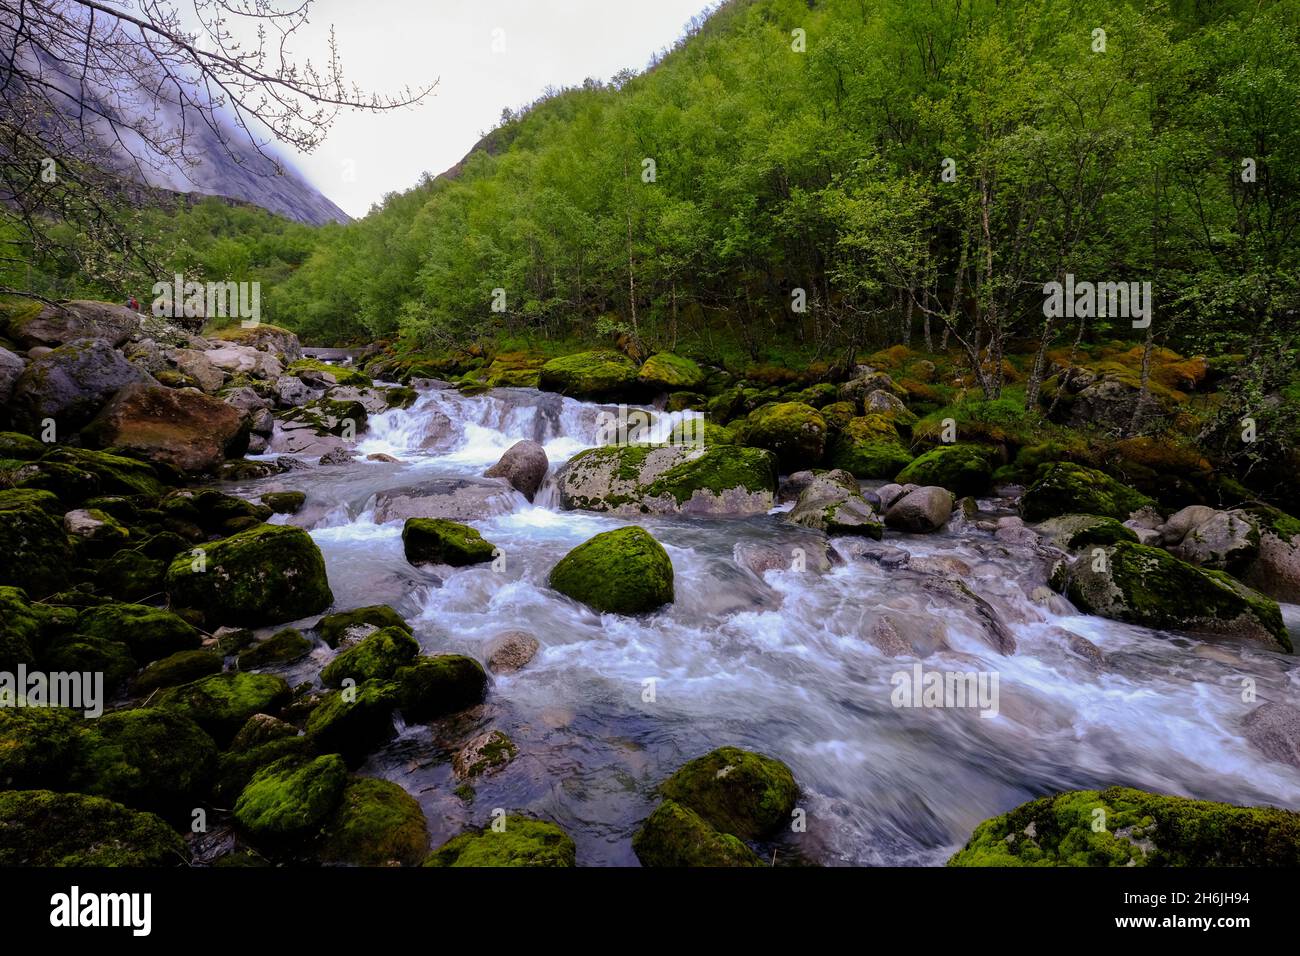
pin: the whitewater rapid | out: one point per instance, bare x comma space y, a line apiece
778, 662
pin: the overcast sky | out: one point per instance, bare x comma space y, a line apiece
386, 44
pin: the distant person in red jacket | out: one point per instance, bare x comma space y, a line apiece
133, 304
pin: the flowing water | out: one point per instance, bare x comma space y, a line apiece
778, 662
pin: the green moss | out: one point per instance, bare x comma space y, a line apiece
868, 446
483, 755
280, 648
354, 721
342, 374
440, 541
34, 551
40, 828
179, 668
117, 475
1137, 829
523, 842
80, 653
151, 759
665, 372
1278, 522
736, 791
292, 798
220, 704
236, 768
21, 627
794, 431
625, 571
334, 628
962, 469
377, 823
39, 746
599, 374
262, 576
720, 469
1076, 531
1001, 421
1065, 488
149, 632
434, 687
675, 836
284, 502
21, 447
377, 657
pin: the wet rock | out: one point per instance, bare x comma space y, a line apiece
1274, 730
522, 842
354, 722
921, 511
266, 575
336, 456
376, 657
433, 687
509, 651
622, 572
1072, 532
524, 465
459, 499
350, 627
1224, 540
735, 791
1148, 586
590, 375
284, 502
675, 836
883, 635
829, 506
377, 823
811, 555
185, 430
439, 541
283, 647
485, 754
1142, 829
380, 456
291, 799
221, 704
989, 619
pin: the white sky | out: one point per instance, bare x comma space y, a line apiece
386, 44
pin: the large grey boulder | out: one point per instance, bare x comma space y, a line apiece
831, 506
524, 465
11, 367
244, 360
460, 499
1274, 730
1224, 540
71, 383
199, 367
57, 325
922, 510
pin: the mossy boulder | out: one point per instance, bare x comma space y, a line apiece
152, 759
665, 372
176, 669
352, 626
592, 375
21, 627
1077, 531
131, 576
282, 647
830, 505
39, 746
736, 791
236, 767
433, 687
1137, 829
376, 657
867, 446
342, 374
441, 541
675, 836
266, 575
151, 633
962, 469
40, 828
1150, 587
292, 798
80, 653
220, 704
16, 446
794, 431
377, 823
116, 474
284, 502
34, 551
625, 571
523, 842
354, 721
1063, 488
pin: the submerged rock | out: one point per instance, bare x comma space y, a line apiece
1137, 829
486, 753
675, 836
440, 541
523, 465
625, 571
459, 499
509, 651
736, 791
